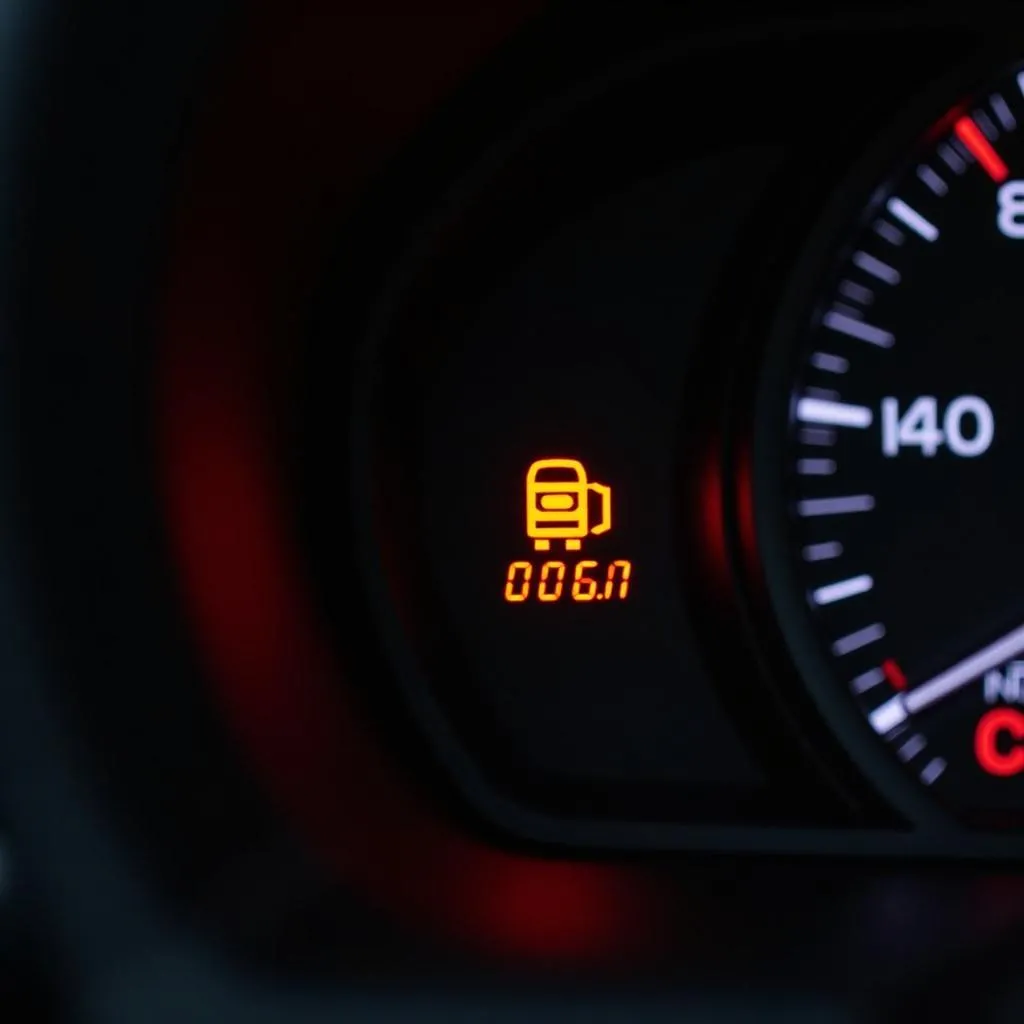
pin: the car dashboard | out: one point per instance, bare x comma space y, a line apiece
493, 512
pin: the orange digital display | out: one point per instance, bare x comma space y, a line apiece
552, 582
558, 507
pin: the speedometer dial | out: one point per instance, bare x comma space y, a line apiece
893, 411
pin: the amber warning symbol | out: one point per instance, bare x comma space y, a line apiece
558, 505
563, 505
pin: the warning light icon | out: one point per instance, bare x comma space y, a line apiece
558, 506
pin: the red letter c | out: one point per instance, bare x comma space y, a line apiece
986, 738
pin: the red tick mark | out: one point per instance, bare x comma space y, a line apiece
971, 136
894, 674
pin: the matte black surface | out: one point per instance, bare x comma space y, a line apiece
756, 940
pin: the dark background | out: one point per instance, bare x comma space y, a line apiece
163, 874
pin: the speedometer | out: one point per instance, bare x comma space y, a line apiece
889, 447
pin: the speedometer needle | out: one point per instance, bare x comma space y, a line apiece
895, 710
965, 672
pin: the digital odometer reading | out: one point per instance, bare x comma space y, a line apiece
905, 441
554, 581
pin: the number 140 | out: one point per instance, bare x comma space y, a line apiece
966, 426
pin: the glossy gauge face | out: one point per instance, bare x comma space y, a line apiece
902, 415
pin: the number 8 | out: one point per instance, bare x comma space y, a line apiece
1011, 209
